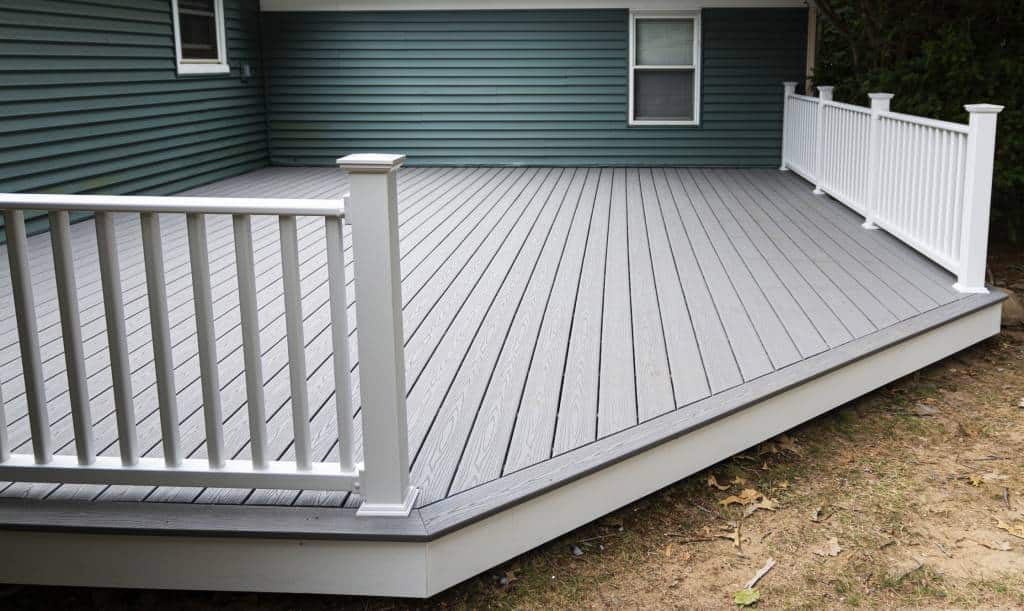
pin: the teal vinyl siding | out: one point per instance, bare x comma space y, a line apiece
517, 88
90, 101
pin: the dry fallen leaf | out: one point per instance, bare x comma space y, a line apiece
1017, 530
975, 480
830, 548
783, 485
748, 496
713, 483
738, 481
999, 546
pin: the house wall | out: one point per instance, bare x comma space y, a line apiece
90, 100
517, 87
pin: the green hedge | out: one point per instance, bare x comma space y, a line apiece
936, 56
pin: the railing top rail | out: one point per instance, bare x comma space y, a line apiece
845, 106
946, 125
805, 98
172, 204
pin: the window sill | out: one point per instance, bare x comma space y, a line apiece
634, 123
189, 69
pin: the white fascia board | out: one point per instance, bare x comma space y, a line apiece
446, 5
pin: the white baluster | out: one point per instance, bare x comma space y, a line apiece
248, 310
71, 331
163, 362
296, 341
207, 338
339, 339
117, 343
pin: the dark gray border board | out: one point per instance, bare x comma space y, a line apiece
445, 516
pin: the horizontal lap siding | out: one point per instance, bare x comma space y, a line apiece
90, 101
516, 87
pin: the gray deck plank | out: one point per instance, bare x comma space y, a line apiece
689, 375
577, 406
835, 265
793, 317
439, 454
864, 278
761, 309
654, 392
616, 409
882, 269
713, 350
852, 317
736, 218
488, 443
717, 291
534, 433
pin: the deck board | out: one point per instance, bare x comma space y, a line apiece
544, 309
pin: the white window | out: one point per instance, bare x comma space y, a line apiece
664, 68
199, 40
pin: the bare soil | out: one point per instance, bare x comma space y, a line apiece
912, 496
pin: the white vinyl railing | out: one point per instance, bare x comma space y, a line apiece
927, 182
382, 478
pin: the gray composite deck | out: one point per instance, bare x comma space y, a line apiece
544, 309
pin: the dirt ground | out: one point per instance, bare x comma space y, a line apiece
912, 496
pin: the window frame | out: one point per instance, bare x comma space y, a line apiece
188, 67
634, 16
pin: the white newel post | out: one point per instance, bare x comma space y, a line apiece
981, 148
879, 104
789, 89
824, 95
372, 209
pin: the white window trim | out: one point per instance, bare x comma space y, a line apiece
695, 16
200, 66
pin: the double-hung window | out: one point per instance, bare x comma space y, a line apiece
199, 40
664, 68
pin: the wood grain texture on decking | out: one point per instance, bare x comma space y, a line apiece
544, 309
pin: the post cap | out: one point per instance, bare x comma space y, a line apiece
985, 109
789, 83
881, 96
370, 163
